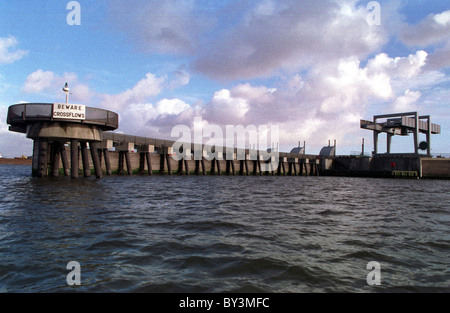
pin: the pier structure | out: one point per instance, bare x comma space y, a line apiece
76, 140
55, 127
402, 124
143, 155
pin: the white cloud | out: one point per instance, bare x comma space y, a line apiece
50, 84
171, 107
406, 102
433, 31
7, 53
145, 88
39, 81
289, 36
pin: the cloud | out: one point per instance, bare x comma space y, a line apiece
145, 88
39, 81
435, 28
50, 84
161, 26
433, 31
407, 102
289, 36
7, 54
180, 78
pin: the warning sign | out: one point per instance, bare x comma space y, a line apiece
69, 111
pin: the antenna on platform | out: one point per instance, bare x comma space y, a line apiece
66, 91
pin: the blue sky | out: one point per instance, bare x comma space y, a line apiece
314, 68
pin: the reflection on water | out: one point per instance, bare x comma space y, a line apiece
221, 234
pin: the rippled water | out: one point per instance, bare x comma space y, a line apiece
222, 234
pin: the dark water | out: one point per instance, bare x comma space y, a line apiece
223, 234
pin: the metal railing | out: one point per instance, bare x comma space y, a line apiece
21, 114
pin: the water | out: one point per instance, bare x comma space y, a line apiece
223, 234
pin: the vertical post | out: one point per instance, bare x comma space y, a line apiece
64, 159
95, 159
375, 142
35, 161
141, 162
335, 148
258, 162
213, 166
85, 159
107, 162
219, 172
121, 159
169, 167
429, 136
388, 143
203, 166
180, 166
197, 167
186, 166
149, 163
127, 158
74, 160
100, 155
56, 152
162, 161
362, 148
232, 167
416, 134
43, 158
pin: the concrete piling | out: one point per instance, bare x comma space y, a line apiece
56, 154
64, 159
85, 159
95, 159
43, 158
74, 158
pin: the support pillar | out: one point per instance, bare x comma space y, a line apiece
127, 159
219, 172
149, 163
95, 159
141, 163
43, 158
85, 159
56, 154
169, 167
74, 158
120, 170
375, 142
107, 162
388, 143
416, 134
203, 166
65, 161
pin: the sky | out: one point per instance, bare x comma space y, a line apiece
312, 68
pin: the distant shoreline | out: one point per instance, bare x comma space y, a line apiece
15, 161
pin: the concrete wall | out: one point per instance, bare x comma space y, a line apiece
435, 167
